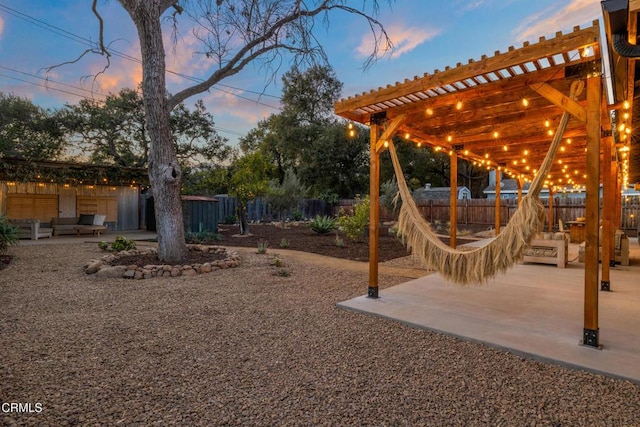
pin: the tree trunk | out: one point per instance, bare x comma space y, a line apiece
165, 174
242, 213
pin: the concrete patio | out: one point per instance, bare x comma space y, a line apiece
534, 310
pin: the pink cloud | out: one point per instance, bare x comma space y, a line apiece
404, 40
547, 22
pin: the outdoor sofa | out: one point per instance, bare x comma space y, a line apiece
84, 224
31, 228
548, 248
620, 248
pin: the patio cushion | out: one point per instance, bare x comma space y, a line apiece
99, 219
85, 219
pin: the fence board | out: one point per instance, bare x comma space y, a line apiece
471, 213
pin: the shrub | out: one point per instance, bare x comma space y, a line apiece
322, 224
8, 235
339, 241
296, 215
283, 272
284, 243
123, 244
354, 225
230, 219
205, 237
262, 246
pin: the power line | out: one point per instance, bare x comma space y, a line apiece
216, 128
43, 86
87, 42
51, 81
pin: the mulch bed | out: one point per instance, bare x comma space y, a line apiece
301, 238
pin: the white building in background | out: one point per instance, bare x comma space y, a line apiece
440, 193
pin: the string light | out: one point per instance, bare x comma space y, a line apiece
525, 102
351, 131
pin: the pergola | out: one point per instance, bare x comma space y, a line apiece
501, 112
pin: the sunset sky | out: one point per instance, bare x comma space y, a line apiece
427, 34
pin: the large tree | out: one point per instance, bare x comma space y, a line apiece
115, 130
234, 33
28, 131
286, 138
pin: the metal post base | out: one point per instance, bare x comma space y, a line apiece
372, 292
590, 338
605, 285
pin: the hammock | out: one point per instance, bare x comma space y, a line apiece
479, 264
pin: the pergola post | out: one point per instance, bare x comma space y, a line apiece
590, 336
550, 214
519, 184
453, 199
497, 205
374, 210
617, 217
608, 206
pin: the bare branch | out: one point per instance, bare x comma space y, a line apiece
236, 34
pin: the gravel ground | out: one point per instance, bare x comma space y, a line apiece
249, 347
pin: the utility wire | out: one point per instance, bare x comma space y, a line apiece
87, 42
216, 128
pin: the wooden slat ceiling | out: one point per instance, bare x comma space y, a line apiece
478, 110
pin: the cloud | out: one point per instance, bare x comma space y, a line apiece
404, 40
472, 5
1, 26
548, 21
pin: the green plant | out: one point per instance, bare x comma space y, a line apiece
388, 196
277, 261
355, 224
322, 224
339, 241
123, 244
283, 272
296, 215
205, 237
104, 246
8, 235
284, 243
262, 246
230, 219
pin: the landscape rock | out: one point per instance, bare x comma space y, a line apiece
93, 267
112, 271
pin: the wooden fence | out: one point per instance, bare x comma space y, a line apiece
473, 214
481, 212
258, 210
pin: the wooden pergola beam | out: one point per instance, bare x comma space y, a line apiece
514, 57
390, 130
561, 100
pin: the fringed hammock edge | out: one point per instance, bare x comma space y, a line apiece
479, 264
